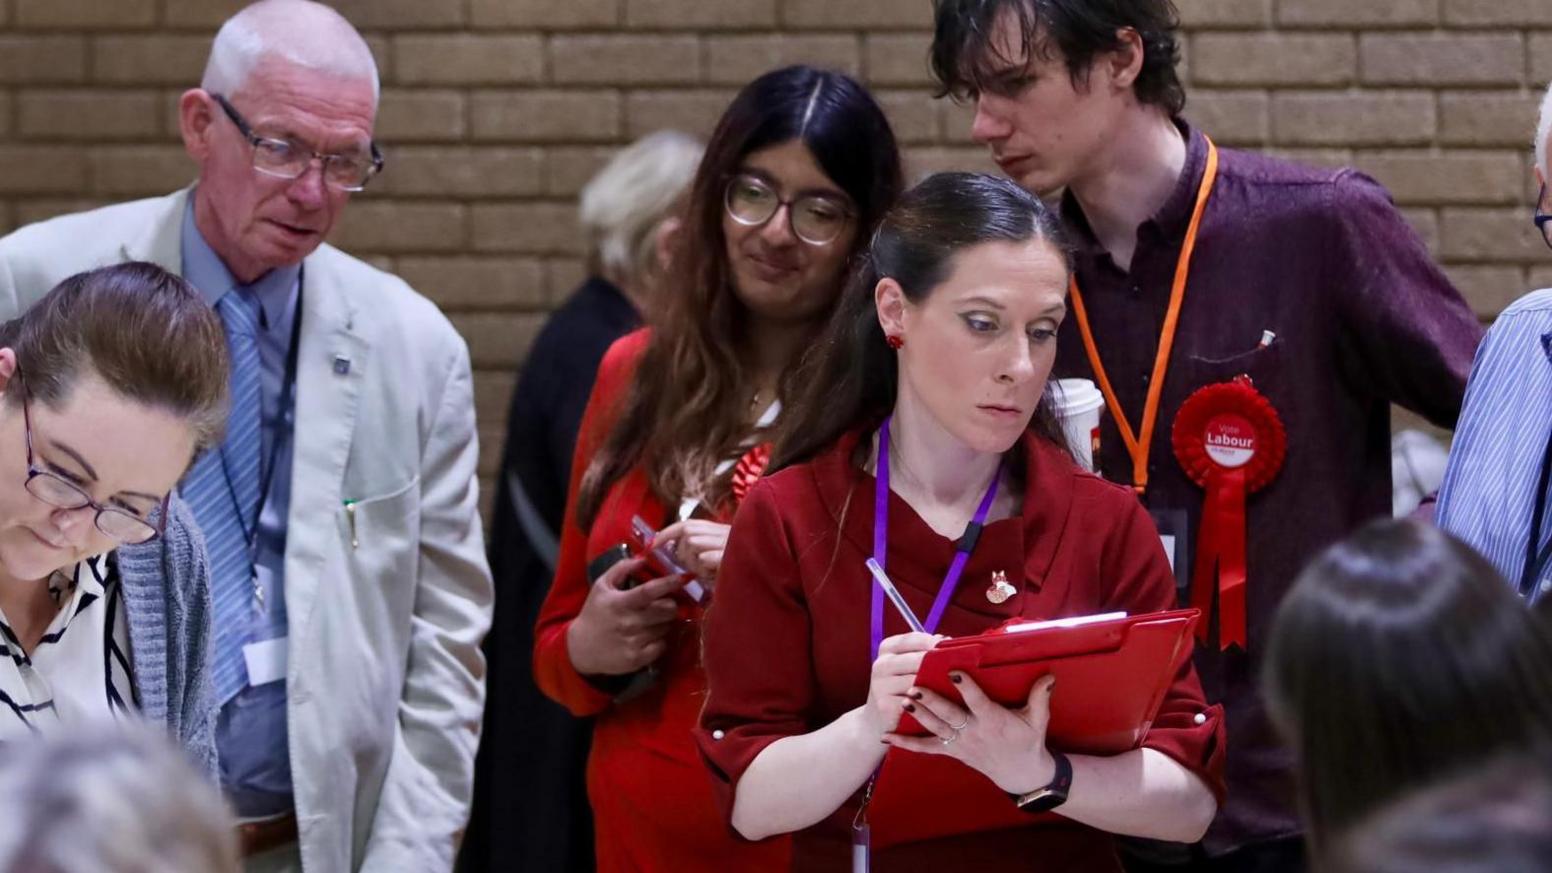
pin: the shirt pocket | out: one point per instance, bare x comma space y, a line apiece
1263, 364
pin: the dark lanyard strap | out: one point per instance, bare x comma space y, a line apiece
1537, 555
962, 549
281, 435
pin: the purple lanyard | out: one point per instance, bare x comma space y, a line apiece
962, 550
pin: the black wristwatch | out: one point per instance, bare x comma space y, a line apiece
1051, 796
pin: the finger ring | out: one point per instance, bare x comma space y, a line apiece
956, 728
950, 738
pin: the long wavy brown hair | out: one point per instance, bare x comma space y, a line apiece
685, 408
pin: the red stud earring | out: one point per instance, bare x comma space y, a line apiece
895, 342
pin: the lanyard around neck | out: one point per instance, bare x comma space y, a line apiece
962, 549
1138, 443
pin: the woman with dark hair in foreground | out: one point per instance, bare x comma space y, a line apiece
1399, 657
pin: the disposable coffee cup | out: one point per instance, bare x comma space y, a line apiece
1078, 407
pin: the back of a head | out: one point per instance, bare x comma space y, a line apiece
301, 32
1494, 820
144, 331
622, 204
1400, 656
114, 798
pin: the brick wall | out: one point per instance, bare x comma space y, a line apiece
496, 111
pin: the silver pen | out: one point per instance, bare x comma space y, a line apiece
893, 594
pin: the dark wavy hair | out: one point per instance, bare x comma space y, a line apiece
685, 408
965, 61
1401, 656
849, 377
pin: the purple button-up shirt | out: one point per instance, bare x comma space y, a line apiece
1362, 318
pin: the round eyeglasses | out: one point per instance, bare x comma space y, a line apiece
816, 219
289, 159
118, 524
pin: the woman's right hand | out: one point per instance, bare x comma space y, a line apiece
894, 672
620, 631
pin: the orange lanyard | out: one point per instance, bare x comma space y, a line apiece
1135, 446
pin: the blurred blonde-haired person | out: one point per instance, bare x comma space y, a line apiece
530, 806
117, 798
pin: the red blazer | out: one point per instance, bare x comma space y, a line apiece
786, 647
653, 804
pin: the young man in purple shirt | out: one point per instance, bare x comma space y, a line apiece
1307, 281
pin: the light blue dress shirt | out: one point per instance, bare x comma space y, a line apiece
1489, 490
251, 732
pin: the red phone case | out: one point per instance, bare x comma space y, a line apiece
1111, 678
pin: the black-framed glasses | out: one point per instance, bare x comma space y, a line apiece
1542, 219
57, 491
288, 159
816, 219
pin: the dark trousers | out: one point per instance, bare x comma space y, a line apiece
1276, 856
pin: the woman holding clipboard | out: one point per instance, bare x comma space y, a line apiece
925, 440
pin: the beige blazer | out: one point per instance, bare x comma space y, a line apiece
385, 676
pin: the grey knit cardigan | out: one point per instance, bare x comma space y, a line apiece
166, 585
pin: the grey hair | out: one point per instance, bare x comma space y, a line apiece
116, 797
625, 201
301, 32
1543, 130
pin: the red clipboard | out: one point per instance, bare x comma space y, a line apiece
1111, 678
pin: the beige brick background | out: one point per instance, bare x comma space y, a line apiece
496, 111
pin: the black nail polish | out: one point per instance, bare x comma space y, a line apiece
915, 695
957, 677
910, 707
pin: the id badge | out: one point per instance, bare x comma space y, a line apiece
1175, 535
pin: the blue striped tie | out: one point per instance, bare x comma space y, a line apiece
225, 498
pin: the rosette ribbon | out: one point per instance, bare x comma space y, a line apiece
1231, 442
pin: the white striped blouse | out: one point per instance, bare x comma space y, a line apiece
79, 672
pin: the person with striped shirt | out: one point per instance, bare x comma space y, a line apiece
1496, 483
109, 386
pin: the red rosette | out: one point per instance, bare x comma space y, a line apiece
1220, 404
749, 469
1229, 439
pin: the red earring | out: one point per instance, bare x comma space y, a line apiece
895, 342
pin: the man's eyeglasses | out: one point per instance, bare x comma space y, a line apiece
288, 159
814, 218
1542, 219
57, 491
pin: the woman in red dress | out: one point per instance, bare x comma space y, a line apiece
934, 373
797, 173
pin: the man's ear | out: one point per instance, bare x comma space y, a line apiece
1123, 65
195, 121
890, 301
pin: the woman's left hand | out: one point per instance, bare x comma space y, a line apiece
698, 545
1005, 744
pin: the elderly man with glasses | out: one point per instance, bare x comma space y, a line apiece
1496, 486
349, 580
